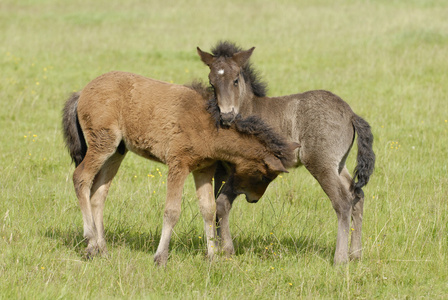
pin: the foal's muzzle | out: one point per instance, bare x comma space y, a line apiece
228, 118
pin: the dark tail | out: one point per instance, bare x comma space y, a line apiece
74, 138
366, 156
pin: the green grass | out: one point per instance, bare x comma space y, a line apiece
387, 59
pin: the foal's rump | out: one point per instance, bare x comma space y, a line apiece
324, 128
327, 128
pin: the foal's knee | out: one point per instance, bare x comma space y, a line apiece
222, 206
172, 215
207, 208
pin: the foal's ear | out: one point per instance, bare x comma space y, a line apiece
207, 58
275, 164
293, 146
242, 57
289, 155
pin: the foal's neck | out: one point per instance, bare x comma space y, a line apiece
236, 148
247, 103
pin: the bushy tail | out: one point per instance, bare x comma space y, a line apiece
366, 156
74, 138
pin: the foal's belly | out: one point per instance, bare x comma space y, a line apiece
145, 149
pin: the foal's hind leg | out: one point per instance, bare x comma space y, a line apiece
207, 205
99, 191
339, 193
83, 178
356, 240
357, 213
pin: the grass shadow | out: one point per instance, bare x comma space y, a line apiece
262, 246
272, 247
69, 238
120, 236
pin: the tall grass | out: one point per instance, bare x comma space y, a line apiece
387, 59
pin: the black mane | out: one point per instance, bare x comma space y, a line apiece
255, 126
208, 94
227, 49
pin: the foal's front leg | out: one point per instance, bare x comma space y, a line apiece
207, 205
175, 183
223, 206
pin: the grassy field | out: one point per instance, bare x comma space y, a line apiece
387, 59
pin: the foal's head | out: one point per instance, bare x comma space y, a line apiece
232, 78
252, 178
253, 175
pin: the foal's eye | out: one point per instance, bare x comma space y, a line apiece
235, 83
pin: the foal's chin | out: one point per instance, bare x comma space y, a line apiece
251, 200
226, 123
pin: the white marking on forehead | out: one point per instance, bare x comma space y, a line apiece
221, 72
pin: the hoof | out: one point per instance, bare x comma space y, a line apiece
228, 251
161, 259
103, 249
210, 257
341, 262
94, 249
91, 252
355, 256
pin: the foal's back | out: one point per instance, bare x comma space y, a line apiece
146, 114
320, 121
